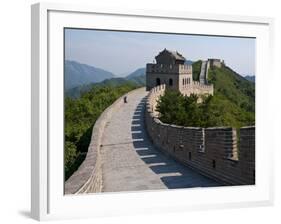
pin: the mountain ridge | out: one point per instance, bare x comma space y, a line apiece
76, 73
250, 78
136, 77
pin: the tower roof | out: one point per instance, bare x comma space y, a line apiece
176, 55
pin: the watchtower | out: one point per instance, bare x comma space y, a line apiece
214, 62
170, 69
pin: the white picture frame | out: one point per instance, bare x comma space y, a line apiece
48, 201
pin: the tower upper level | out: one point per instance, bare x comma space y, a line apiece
169, 62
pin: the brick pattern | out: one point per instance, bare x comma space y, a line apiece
211, 151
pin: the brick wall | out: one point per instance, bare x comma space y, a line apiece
211, 151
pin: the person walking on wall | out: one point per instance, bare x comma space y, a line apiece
125, 99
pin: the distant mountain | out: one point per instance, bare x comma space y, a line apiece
77, 74
112, 82
188, 62
75, 92
136, 73
139, 80
78, 90
250, 78
138, 76
135, 78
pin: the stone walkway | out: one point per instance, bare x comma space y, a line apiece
203, 72
131, 163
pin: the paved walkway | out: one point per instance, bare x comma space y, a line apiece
203, 72
131, 163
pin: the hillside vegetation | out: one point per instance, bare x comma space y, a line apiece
233, 103
80, 116
233, 87
250, 78
196, 69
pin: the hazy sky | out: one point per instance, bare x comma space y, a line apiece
123, 52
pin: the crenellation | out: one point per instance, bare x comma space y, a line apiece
169, 69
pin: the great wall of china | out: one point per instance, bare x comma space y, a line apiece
131, 149
212, 152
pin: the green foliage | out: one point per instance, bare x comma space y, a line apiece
233, 103
234, 87
80, 116
70, 154
196, 69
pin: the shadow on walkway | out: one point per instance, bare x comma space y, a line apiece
172, 174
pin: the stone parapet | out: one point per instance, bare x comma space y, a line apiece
211, 151
197, 88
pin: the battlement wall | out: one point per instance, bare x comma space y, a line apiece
197, 88
211, 151
215, 62
169, 69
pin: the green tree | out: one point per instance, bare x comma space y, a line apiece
202, 111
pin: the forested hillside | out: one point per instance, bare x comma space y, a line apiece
251, 78
196, 68
233, 103
233, 87
80, 116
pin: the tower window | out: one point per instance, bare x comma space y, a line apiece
214, 164
158, 82
170, 82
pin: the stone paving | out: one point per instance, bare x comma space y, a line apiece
131, 163
203, 72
